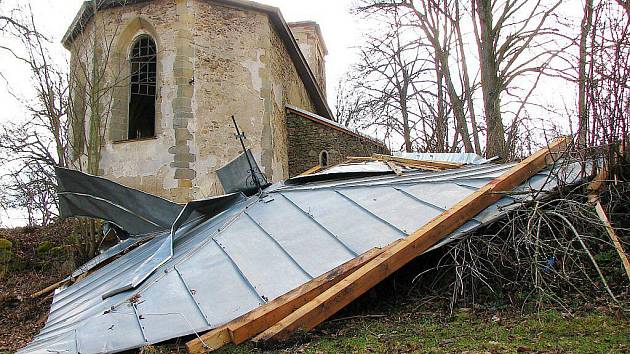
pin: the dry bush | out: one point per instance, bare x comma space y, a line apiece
554, 250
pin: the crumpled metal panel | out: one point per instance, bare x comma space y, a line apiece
225, 265
134, 211
346, 171
363, 166
109, 253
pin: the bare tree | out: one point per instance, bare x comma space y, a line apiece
31, 148
505, 58
388, 80
513, 41
606, 103
68, 113
435, 21
93, 81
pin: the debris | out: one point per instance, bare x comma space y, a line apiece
397, 170
613, 236
134, 211
461, 158
425, 165
274, 246
593, 189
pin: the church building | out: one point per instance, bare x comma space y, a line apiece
180, 69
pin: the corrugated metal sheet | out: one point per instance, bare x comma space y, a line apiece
255, 251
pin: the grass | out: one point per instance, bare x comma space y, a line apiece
411, 332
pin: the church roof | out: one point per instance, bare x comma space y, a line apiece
315, 92
258, 248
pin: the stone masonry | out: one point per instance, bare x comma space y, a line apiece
310, 135
215, 60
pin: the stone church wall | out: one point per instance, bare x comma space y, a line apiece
214, 61
141, 164
308, 139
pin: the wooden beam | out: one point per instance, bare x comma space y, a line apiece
210, 341
415, 164
597, 184
423, 164
399, 254
261, 318
437, 164
397, 170
51, 288
311, 170
593, 197
613, 236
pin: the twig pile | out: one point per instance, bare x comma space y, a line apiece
554, 250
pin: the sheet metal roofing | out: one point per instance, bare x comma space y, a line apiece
462, 157
256, 250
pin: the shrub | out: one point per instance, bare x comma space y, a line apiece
44, 247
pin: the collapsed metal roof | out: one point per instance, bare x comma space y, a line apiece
229, 262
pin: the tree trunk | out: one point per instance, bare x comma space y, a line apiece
587, 21
440, 122
490, 83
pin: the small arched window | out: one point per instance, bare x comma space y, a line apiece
323, 158
142, 93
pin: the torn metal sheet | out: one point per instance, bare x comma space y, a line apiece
134, 211
346, 171
236, 176
110, 253
257, 249
196, 209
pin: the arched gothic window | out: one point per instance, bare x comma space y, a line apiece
142, 91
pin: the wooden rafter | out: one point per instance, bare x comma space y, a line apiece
593, 196
311, 170
422, 164
397, 255
437, 164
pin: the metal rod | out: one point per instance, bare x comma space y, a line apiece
240, 137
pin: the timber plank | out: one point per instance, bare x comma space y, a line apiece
613, 236
397, 170
399, 254
437, 164
210, 341
311, 170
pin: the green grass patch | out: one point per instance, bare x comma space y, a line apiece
547, 331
